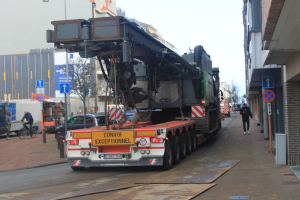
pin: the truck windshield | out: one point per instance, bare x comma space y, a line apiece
2, 111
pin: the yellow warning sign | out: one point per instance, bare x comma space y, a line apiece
112, 138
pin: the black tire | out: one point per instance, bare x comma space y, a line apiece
194, 140
23, 133
176, 150
77, 168
188, 143
168, 157
34, 132
228, 115
182, 146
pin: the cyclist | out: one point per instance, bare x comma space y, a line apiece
29, 120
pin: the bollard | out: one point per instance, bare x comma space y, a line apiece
62, 147
58, 138
44, 135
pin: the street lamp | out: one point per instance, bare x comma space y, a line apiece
67, 66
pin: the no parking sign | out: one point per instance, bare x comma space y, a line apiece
269, 96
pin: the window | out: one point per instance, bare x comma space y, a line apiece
2, 111
80, 120
72, 120
101, 120
89, 120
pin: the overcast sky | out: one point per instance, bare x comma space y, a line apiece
217, 25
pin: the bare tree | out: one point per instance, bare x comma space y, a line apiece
234, 92
83, 74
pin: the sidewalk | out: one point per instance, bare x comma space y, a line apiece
256, 176
17, 153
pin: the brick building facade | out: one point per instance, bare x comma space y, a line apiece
280, 45
292, 109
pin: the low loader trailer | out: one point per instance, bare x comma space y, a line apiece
133, 144
176, 98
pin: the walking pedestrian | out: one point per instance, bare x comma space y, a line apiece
246, 113
29, 119
72, 114
8, 124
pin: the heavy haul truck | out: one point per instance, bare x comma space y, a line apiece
175, 97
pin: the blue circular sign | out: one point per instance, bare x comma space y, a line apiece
41, 98
269, 96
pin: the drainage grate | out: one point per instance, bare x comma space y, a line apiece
239, 197
36, 152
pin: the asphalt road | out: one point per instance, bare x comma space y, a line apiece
59, 181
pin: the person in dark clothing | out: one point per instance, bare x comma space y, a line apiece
29, 120
246, 113
8, 124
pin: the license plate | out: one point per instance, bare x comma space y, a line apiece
112, 138
113, 156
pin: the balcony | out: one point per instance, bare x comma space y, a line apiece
281, 31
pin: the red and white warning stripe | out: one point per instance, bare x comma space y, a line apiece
198, 111
115, 113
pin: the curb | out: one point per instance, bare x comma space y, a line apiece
35, 166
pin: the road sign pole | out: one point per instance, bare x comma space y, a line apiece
42, 120
265, 118
84, 110
270, 135
66, 113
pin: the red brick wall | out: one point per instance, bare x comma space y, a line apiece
292, 120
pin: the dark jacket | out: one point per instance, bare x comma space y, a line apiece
7, 119
245, 112
28, 117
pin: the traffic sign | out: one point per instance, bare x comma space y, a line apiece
269, 96
40, 98
269, 108
64, 88
40, 90
84, 91
40, 83
268, 82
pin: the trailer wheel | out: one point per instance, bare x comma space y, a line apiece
176, 150
188, 143
194, 141
168, 158
77, 168
182, 146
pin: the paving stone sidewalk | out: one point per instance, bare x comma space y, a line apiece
257, 175
17, 153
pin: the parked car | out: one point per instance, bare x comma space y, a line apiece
77, 122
